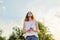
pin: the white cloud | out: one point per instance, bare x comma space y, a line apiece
39, 9
4, 9
52, 22
1, 2
7, 26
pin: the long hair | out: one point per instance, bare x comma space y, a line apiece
27, 17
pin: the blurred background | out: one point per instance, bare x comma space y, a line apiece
12, 14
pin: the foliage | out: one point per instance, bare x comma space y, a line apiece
43, 33
17, 34
1, 38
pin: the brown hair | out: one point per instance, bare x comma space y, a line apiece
27, 17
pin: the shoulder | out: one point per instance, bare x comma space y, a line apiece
23, 22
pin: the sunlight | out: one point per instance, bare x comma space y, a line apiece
12, 13
52, 22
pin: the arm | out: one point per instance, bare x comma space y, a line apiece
24, 30
37, 28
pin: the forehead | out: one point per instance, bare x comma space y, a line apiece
29, 12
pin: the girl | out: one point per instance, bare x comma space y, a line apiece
30, 27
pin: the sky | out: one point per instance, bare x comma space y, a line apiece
12, 13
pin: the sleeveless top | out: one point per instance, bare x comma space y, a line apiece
27, 27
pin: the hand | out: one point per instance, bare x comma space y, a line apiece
28, 30
31, 29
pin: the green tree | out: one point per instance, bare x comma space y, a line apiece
2, 38
43, 35
12, 36
17, 34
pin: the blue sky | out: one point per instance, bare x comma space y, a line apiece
13, 9
12, 13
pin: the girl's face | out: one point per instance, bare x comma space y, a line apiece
29, 14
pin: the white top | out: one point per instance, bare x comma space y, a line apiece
27, 26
